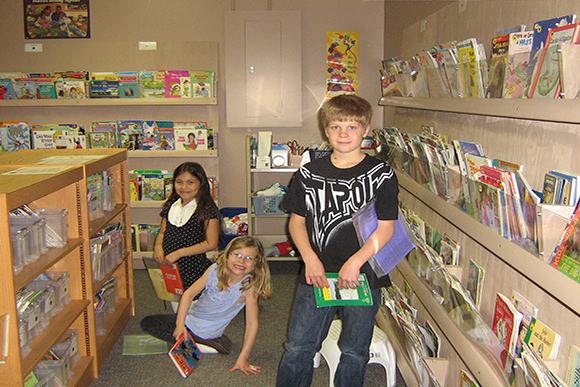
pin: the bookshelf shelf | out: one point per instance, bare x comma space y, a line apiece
551, 110
108, 102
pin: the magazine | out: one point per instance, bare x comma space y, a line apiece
333, 295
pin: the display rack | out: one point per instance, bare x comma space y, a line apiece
269, 229
67, 189
508, 266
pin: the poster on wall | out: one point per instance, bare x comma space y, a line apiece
56, 19
341, 63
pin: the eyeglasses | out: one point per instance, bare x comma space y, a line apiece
240, 256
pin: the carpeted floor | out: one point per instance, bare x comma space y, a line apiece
213, 369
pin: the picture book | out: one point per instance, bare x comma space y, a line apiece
551, 186
543, 339
177, 84
566, 256
365, 222
528, 312
128, 84
419, 86
101, 140
470, 66
546, 75
489, 206
497, 66
153, 186
518, 70
568, 194
190, 135
152, 83
15, 136
43, 137
542, 27
163, 136
506, 324
334, 295
130, 134
70, 89
7, 89
436, 78
475, 277
202, 83
70, 141
148, 133
573, 369
449, 61
45, 88
568, 56
185, 353
26, 88
449, 250
134, 187
103, 89
172, 279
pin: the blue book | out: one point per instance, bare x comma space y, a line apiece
366, 222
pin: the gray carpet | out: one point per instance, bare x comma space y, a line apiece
213, 369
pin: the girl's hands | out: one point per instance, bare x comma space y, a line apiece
180, 330
245, 366
159, 256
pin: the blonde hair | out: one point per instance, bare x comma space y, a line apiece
259, 278
345, 107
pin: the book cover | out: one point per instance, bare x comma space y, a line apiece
71, 89
172, 279
184, 354
528, 311
43, 137
506, 323
103, 88
546, 75
497, 66
566, 256
130, 134
333, 295
569, 189
543, 339
568, 57
573, 369
177, 84
152, 83
202, 83
7, 89
163, 136
550, 188
518, 71
46, 89
152, 186
26, 88
70, 141
15, 136
475, 277
128, 84
449, 61
99, 140
365, 222
469, 63
186, 135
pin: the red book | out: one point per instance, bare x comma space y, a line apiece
185, 353
172, 279
506, 325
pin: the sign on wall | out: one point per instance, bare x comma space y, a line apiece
57, 19
341, 63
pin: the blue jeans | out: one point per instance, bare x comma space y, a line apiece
308, 328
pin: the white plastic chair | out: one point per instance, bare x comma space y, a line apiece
381, 352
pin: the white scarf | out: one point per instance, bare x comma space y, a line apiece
180, 214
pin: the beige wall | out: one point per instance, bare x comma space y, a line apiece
117, 26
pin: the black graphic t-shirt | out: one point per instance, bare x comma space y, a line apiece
328, 196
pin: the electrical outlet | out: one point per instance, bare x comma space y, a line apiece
462, 5
33, 47
423, 26
147, 45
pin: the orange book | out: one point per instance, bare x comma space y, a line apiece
172, 279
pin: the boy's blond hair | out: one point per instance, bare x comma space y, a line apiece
345, 107
259, 278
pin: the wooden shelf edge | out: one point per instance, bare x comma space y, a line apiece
82, 372
136, 154
552, 110
99, 223
107, 102
114, 324
557, 284
47, 338
147, 204
96, 285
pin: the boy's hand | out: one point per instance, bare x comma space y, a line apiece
315, 274
348, 276
245, 366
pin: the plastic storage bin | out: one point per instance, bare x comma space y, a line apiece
56, 225
267, 205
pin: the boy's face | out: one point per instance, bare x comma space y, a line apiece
346, 135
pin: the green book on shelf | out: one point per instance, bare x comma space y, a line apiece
333, 295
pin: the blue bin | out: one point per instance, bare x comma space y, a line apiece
230, 212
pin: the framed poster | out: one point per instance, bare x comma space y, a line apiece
56, 19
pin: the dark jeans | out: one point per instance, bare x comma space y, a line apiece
308, 328
160, 326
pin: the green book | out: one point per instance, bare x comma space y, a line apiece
333, 295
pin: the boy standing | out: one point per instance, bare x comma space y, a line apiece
323, 196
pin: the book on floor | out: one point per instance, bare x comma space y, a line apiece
185, 353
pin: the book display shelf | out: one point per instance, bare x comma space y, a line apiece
57, 179
508, 266
269, 225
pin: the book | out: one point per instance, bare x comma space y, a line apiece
568, 57
518, 71
470, 65
143, 345
543, 339
128, 84
186, 135
172, 279
152, 83
506, 324
130, 134
177, 84
70, 141
566, 255
153, 186
568, 193
15, 135
365, 222
449, 61
7, 89
475, 277
333, 295
202, 84
573, 369
163, 136
184, 354
528, 311
497, 66
546, 75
